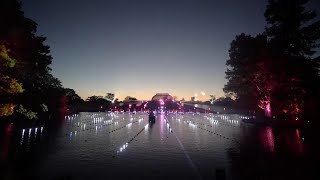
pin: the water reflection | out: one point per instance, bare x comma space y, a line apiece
162, 124
289, 139
169, 143
300, 146
267, 139
8, 132
294, 142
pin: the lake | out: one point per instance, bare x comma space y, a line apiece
111, 145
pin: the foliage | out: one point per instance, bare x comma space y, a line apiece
247, 71
7, 62
72, 96
94, 98
9, 87
6, 109
110, 96
212, 98
224, 101
129, 98
26, 113
276, 68
44, 107
293, 36
27, 53
291, 28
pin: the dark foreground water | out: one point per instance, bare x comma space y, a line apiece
127, 146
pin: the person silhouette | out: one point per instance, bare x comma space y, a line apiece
151, 116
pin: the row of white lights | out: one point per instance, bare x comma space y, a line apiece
30, 130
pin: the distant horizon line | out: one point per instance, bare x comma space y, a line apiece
148, 99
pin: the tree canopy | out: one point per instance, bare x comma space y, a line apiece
275, 70
292, 28
9, 87
25, 60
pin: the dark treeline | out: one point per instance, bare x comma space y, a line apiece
27, 88
276, 72
105, 103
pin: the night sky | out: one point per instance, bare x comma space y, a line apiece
141, 47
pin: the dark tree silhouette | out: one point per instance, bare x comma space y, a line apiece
275, 70
224, 101
129, 98
110, 96
291, 29
72, 96
42, 91
153, 105
248, 72
293, 37
171, 105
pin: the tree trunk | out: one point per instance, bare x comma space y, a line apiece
267, 110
